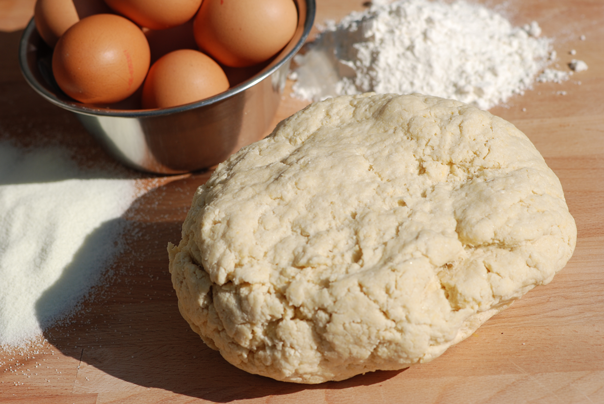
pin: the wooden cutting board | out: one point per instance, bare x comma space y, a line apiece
129, 344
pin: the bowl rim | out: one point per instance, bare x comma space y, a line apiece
142, 113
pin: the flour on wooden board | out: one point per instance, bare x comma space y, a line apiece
461, 51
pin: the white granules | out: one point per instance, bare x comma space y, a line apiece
461, 51
59, 229
577, 65
553, 75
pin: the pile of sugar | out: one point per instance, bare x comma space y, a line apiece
461, 51
60, 227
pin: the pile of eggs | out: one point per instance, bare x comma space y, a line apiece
167, 53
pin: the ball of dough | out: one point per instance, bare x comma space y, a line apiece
367, 232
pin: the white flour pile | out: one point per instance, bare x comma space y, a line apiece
461, 51
59, 228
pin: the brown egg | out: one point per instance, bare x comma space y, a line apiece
101, 59
241, 33
54, 17
156, 14
164, 41
182, 77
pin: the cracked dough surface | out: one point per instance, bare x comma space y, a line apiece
367, 232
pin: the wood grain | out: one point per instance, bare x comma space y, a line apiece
128, 343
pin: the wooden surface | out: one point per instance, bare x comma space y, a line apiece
129, 344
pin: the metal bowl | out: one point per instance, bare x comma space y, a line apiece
180, 139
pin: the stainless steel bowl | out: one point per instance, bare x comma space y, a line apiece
180, 139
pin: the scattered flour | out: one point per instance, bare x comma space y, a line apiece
461, 51
556, 76
59, 229
577, 65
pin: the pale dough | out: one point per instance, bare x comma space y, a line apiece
367, 232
